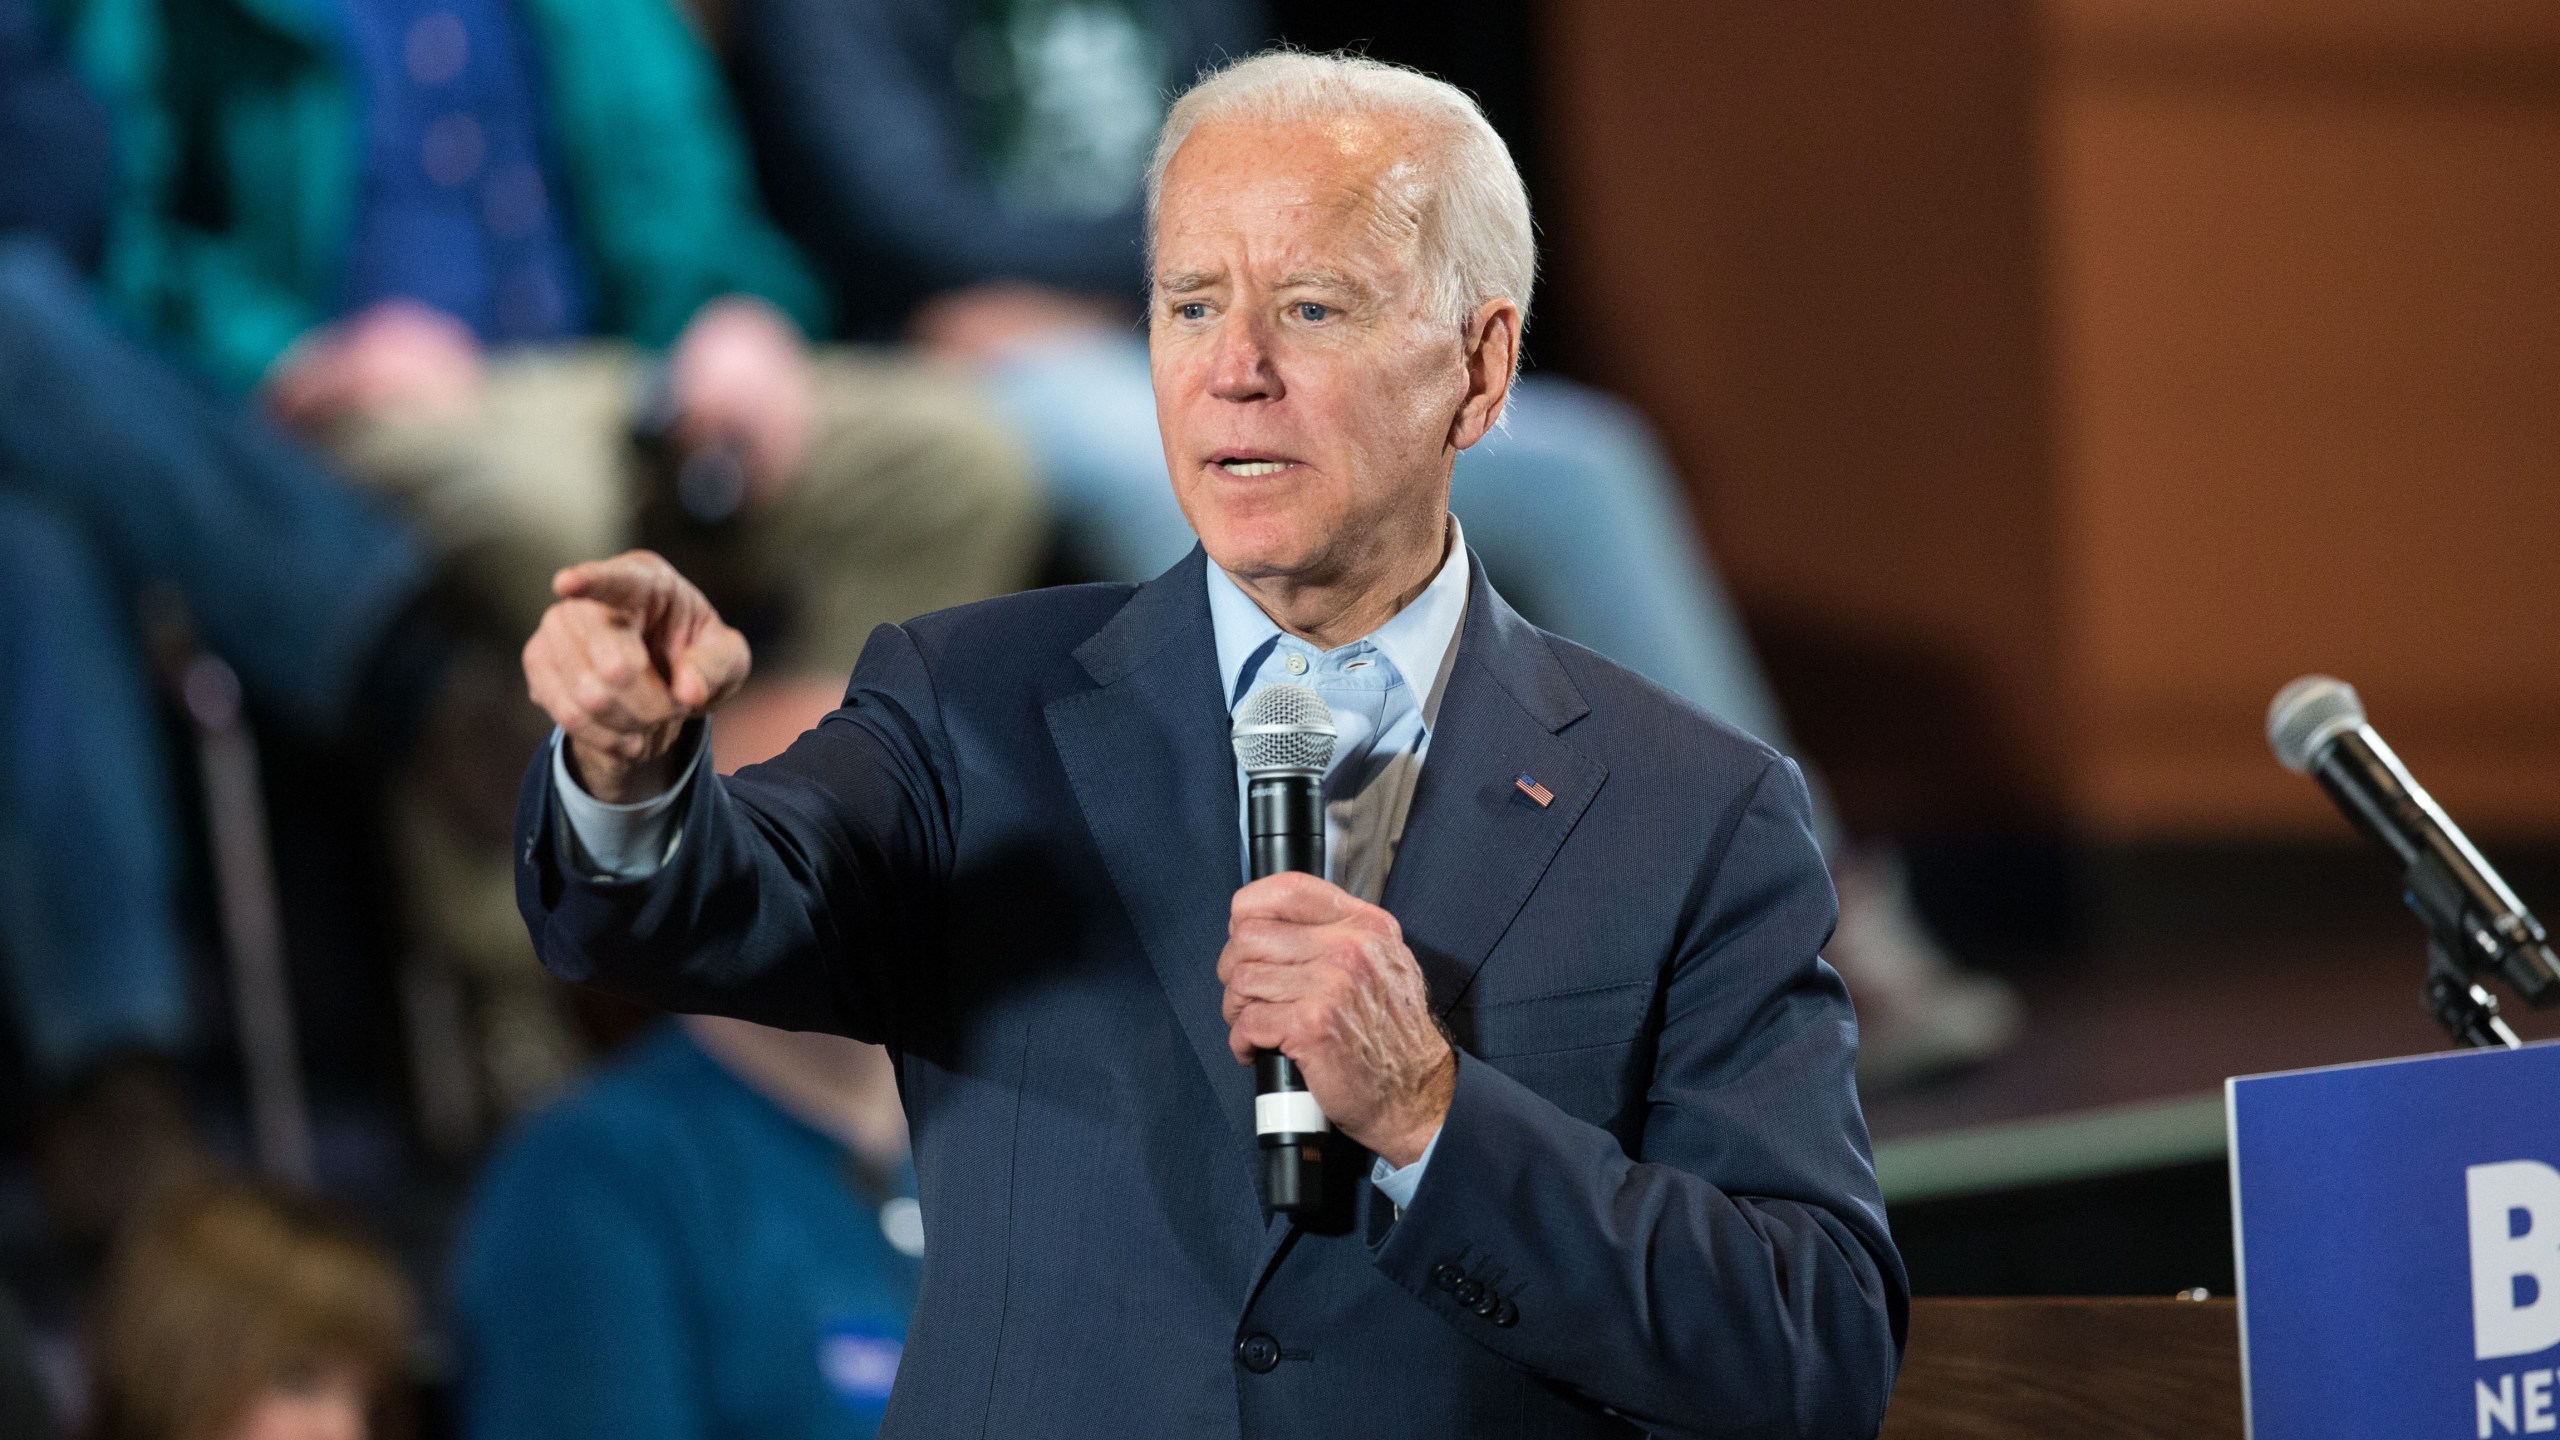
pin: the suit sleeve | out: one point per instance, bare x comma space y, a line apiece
799, 892
1732, 1276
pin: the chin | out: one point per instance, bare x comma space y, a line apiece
1260, 546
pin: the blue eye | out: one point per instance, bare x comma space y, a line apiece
1191, 310
1311, 312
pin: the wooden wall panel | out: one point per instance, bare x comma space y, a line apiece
1801, 236
2306, 280
2056, 378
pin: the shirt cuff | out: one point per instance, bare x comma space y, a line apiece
1398, 1184
622, 842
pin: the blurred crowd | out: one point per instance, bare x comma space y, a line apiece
329, 331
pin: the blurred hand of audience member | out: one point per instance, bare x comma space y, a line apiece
397, 356
327, 1405
980, 323
623, 660
742, 378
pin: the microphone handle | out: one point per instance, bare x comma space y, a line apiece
1284, 830
2452, 887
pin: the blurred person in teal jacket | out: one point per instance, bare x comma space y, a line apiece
505, 260
716, 1237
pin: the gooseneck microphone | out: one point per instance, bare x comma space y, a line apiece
1284, 739
2317, 726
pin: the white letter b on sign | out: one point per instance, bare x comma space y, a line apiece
2515, 1258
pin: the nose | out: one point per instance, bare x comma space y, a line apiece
1240, 362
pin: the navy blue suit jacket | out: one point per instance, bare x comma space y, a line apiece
1009, 857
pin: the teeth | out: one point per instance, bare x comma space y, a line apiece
1253, 467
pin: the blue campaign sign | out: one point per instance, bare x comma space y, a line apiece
2398, 1227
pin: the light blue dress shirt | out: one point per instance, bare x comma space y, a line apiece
1384, 690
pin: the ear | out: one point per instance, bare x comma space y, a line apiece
1492, 350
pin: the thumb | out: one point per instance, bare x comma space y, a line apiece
711, 669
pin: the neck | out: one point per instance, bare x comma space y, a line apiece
1336, 611
841, 1088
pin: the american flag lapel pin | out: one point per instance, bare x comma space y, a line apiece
1535, 791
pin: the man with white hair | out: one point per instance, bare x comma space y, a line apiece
1560, 988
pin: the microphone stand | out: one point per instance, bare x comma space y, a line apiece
2467, 1012
2460, 953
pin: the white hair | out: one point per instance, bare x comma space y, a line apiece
1462, 195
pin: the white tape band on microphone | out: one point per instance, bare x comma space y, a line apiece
1288, 1112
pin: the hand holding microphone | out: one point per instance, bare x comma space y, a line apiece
1323, 997
623, 661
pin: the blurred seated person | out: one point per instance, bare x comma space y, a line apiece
970, 173
26, 1411
504, 258
120, 478
236, 1313
716, 1236
473, 243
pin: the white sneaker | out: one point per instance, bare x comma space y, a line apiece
1919, 1013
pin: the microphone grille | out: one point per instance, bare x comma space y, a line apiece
1284, 728
2308, 714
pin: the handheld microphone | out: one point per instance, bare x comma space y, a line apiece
1283, 737
2317, 726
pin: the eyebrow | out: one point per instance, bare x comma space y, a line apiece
1183, 282
1323, 280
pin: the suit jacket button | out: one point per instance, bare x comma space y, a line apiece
1489, 1306
1447, 1276
1258, 1353
1507, 1316
1468, 1293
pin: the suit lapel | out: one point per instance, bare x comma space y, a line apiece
1474, 843
1146, 753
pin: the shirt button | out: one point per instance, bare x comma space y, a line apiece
1258, 1353
1295, 664
453, 148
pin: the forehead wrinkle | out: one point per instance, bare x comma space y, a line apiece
1361, 183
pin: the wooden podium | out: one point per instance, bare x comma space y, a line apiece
2090, 1369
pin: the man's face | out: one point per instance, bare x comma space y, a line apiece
1306, 402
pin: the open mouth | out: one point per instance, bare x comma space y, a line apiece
1248, 466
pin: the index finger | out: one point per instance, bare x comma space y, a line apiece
1298, 898
632, 580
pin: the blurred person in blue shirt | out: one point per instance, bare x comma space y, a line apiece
969, 171
717, 1236
505, 261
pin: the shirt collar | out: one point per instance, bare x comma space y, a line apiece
1416, 640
